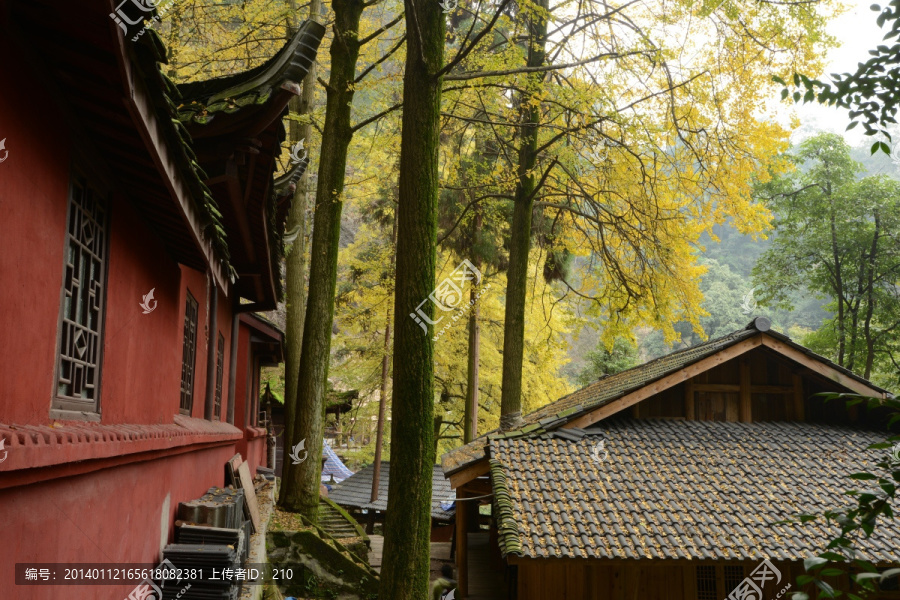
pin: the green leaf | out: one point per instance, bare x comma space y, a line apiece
814, 563
863, 476
833, 556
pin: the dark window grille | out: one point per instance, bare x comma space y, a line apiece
189, 354
83, 301
220, 368
734, 575
706, 584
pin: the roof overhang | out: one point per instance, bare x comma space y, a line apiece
115, 115
266, 339
237, 126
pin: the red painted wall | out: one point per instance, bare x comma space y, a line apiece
34, 182
141, 368
142, 353
242, 381
196, 283
111, 516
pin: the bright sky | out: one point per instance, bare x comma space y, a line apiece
858, 33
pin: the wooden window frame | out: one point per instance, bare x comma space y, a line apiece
70, 408
189, 355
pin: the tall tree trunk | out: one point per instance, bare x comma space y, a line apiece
385, 372
870, 298
520, 242
470, 413
295, 259
470, 418
838, 279
301, 482
405, 572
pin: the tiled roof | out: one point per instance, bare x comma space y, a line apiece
228, 94
355, 491
678, 489
607, 389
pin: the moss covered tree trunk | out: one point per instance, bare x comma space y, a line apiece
300, 486
296, 259
385, 373
404, 574
520, 242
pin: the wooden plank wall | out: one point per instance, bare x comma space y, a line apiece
565, 579
779, 390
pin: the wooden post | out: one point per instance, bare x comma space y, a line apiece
799, 400
689, 399
746, 407
462, 546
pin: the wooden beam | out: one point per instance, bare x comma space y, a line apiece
665, 383
746, 403
476, 469
480, 487
716, 387
689, 388
771, 389
799, 400
462, 546
820, 367
733, 387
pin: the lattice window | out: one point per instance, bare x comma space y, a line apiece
734, 575
189, 354
220, 368
706, 583
83, 301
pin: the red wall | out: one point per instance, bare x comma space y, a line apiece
110, 516
34, 182
142, 353
196, 283
243, 379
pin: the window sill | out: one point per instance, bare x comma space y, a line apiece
74, 415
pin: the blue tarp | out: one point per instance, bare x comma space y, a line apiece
333, 466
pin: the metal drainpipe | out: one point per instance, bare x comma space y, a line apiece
213, 338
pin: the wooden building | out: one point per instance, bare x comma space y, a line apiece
355, 494
141, 228
669, 480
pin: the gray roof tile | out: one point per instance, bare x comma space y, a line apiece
661, 492
356, 491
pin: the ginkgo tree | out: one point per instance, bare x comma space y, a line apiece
625, 132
